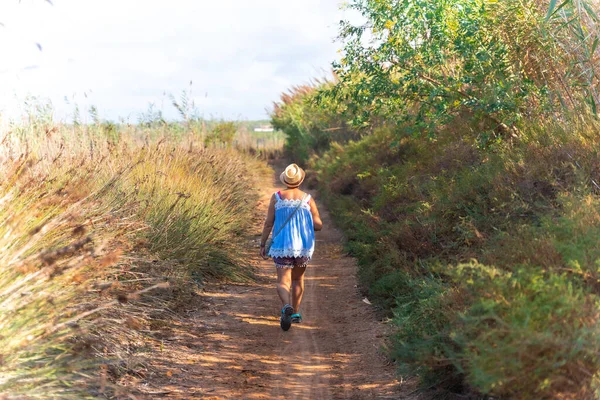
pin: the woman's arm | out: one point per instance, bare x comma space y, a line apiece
268, 226
317, 223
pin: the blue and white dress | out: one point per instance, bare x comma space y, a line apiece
295, 243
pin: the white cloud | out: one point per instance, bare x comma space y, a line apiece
124, 54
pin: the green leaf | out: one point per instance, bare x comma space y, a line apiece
594, 46
551, 9
551, 12
592, 14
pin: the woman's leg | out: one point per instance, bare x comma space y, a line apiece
284, 280
297, 287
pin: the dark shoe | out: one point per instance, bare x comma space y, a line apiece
296, 318
286, 317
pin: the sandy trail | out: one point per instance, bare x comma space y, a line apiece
230, 345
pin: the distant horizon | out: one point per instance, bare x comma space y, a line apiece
121, 57
170, 113
87, 121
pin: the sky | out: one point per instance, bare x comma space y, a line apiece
123, 55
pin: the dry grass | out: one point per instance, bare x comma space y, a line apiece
101, 233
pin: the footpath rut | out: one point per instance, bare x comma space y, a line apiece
230, 346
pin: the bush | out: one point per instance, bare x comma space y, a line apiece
469, 140
413, 211
310, 124
221, 133
529, 323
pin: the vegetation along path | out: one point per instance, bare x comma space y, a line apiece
230, 344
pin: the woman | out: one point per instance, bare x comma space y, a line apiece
293, 216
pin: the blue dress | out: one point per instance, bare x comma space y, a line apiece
297, 238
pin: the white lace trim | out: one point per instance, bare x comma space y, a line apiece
292, 203
290, 253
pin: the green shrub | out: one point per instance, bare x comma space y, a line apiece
414, 209
310, 125
532, 324
221, 133
425, 314
473, 140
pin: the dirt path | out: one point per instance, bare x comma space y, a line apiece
231, 347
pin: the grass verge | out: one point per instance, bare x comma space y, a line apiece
99, 238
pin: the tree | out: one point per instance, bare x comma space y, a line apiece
429, 61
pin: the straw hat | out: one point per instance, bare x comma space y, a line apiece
293, 176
